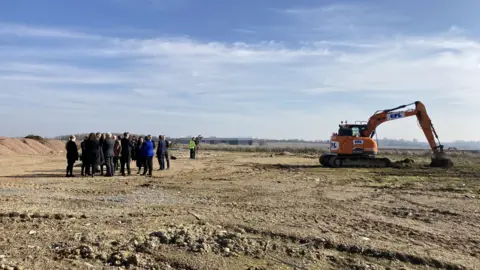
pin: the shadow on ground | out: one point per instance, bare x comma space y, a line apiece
39, 175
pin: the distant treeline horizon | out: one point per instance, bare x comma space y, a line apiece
383, 142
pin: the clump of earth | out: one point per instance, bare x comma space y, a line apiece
205, 239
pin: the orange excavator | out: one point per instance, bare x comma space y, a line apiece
354, 146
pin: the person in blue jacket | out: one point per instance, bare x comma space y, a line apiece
148, 151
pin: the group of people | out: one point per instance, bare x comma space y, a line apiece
101, 151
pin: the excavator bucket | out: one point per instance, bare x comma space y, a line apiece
441, 161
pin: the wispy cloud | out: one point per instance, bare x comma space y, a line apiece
19, 30
352, 19
187, 86
244, 31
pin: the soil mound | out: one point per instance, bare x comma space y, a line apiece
13, 146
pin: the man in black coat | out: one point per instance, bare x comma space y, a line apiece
92, 152
126, 158
72, 155
109, 153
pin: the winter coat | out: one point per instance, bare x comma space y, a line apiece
100, 158
82, 146
91, 151
138, 151
134, 150
127, 147
117, 148
108, 148
148, 149
72, 150
162, 147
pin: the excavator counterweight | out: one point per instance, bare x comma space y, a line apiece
354, 146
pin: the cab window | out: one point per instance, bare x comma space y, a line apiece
355, 131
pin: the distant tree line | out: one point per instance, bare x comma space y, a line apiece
382, 143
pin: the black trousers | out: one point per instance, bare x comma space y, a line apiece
109, 166
125, 161
192, 153
90, 168
115, 163
167, 159
84, 168
70, 163
161, 161
148, 166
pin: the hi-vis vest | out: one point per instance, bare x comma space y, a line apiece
192, 144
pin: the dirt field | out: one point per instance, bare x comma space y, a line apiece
240, 211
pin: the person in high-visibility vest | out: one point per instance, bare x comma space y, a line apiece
192, 146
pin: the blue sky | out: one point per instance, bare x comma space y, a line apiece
271, 69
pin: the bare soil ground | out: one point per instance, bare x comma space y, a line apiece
240, 211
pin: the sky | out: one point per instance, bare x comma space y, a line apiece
267, 69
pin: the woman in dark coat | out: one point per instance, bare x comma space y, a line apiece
134, 147
84, 157
72, 155
92, 152
138, 154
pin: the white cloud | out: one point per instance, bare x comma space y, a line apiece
182, 86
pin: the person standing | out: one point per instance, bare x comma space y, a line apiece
100, 158
161, 150
72, 155
167, 157
198, 139
126, 153
84, 157
148, 152
102, 163
91, 147
134, 148
109, 152
139, 155
117, 149
192, 146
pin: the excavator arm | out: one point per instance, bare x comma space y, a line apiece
424, 120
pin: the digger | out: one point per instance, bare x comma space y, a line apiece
354, 146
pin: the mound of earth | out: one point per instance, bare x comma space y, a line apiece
14, 146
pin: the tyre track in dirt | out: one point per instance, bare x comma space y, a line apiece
379, 226
324, 243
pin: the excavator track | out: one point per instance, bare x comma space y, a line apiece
336, 161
